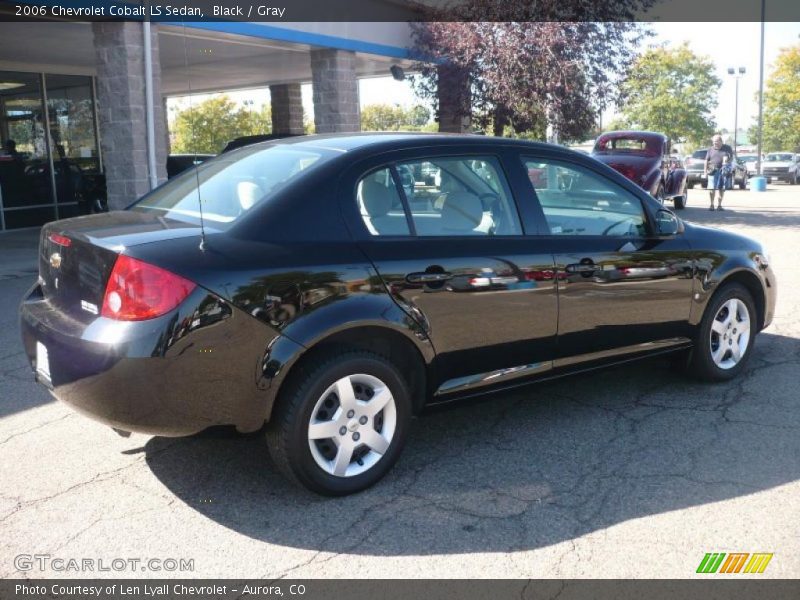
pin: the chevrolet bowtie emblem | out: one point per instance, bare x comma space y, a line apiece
55, 260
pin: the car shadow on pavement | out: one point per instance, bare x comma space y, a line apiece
525, 469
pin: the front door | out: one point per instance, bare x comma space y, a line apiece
620, 286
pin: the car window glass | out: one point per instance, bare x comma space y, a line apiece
576, 201
380, 205
459, 196
231, 184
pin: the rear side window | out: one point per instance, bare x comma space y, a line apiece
380, 205
446, 196
576, 201
232, 184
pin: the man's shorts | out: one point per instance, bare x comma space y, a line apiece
715, 180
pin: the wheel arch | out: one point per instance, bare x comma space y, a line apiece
751, 283
378, 338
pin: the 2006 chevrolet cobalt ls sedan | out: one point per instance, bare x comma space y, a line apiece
333, 286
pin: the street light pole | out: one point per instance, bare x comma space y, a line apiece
737, 76
761, 88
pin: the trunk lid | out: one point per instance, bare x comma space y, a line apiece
76, 256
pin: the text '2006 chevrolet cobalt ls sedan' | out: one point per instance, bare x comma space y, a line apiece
333, 286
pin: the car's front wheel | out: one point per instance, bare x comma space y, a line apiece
341, 423
725, 337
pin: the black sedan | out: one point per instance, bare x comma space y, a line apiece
312, 284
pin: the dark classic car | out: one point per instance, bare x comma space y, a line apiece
644, 158
322, 293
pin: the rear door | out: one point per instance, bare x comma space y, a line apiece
619, 284
443, 232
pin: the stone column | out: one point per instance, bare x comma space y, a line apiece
335, 91
455, 100
119, 57
287, 108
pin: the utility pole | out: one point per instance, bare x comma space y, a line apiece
761, 88
732, 71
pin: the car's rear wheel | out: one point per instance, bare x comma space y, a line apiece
341, 423
680, 201
743, 182
725, 337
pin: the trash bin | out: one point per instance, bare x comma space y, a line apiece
758, 184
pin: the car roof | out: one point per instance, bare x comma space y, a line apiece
634, 133
379, 141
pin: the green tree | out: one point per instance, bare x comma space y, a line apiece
673, 91
385, 117
782, 104
206, 127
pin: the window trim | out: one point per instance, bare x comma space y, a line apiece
398, 183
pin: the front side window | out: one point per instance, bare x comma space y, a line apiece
455, 196
576, 201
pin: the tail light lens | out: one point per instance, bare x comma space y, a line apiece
61, 240
137, 291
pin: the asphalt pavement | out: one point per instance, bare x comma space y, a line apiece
630, 472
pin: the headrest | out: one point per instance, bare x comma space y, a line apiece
462, 211
376, 197
248, 194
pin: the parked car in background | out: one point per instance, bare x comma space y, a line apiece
644, 158
695, 167
751, 163
781, 166
247, 140
319, 298
178, 163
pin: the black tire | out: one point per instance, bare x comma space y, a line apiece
701, 365
287, 432
680, 201
743, 182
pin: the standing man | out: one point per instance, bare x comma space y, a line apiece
715, 157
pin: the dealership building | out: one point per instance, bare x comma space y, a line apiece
82, 105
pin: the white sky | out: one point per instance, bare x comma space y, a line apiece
728, 45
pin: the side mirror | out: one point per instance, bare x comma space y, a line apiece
667, 223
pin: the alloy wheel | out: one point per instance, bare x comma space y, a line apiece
730, 334
352, 425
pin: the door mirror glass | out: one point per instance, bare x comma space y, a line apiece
667, 223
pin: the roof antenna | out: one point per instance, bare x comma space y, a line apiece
191, 130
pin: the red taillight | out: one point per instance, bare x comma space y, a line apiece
137, 291
61, 240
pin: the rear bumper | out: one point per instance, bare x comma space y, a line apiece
200, 365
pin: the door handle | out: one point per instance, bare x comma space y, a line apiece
424, 277
581, 268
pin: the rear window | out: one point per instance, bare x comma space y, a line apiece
628, 145
699, 153
232, 184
